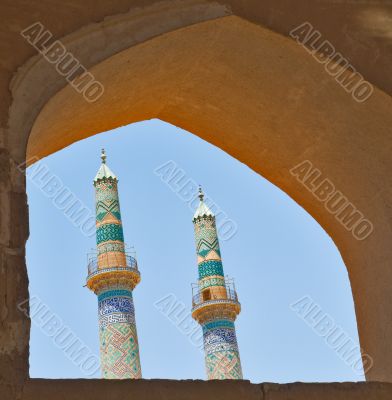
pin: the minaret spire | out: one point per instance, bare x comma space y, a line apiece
202, 209
112, 276
214, 300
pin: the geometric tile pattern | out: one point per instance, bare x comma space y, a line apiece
219, 323
118, 336
210, 268
224, 365
119, 308
106, 200
218, 339
108, 216
111, 208
117, 327
119, 352
110, 232
222, 357
112, 293
211, 281
207, 247
107, 206
221, 351
206, 238
109, 247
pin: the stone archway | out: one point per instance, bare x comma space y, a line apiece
250, 91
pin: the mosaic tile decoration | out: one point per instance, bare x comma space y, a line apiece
206, 238
119, 352
117, 326
224, 365
118, 336
114, 293
109, 247
207, 248
222, 357
106, 199
210, 268
221, 350
211, 281
219, 323
107, 207
110, 232
117, 305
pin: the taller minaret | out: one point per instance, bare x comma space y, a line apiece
215, 304
112, 276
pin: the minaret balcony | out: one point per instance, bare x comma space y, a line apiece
215, 301
101, 274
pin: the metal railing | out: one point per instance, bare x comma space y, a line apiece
199, 297
113, 262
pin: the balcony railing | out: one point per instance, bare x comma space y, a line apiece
199, 295
112, 262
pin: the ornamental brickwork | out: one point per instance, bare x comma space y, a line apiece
113, 275
215, 303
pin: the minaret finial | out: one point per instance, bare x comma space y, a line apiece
202, 209
201, 194
103, 156
104, 172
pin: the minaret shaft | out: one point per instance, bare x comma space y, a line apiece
113, 277
215, 305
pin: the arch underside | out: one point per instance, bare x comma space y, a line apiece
255, 94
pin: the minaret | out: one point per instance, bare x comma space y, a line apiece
215, 304
112, 276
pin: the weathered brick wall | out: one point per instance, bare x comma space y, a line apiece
195, 390
14, 325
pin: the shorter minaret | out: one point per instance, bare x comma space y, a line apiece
215, 305
112, 276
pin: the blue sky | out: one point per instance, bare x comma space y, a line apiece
278, 255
